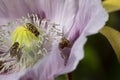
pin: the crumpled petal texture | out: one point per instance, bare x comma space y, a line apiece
80, 18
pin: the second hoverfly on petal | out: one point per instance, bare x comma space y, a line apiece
64, 43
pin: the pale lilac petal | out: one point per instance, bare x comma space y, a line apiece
62, 12
89, 20
29, 76
14, 76
14, 9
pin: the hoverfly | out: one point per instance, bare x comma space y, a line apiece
64, 43
33, 29
16, 51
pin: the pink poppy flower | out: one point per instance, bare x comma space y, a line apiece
42, 39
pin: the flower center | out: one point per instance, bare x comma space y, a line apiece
27, 41
22, 35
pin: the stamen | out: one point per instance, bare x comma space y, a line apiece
33, 38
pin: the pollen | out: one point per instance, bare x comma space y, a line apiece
23, 36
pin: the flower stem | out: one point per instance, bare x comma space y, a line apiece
69, 76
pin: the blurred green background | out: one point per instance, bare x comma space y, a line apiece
100, 61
